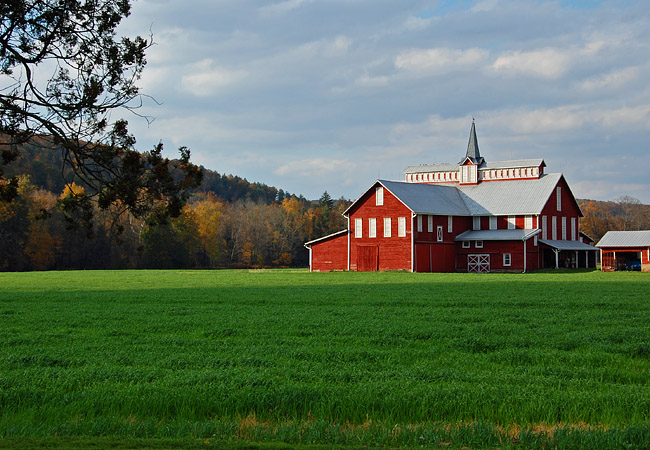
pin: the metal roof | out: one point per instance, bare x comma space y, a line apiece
307, 244
428, 198
625, 239
511, 197
445, 167
497, 235
472, 147
567, 245
513, 164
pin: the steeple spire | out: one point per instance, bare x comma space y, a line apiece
472, 147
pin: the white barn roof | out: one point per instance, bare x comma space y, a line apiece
625, 239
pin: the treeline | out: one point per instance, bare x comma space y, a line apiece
227, 222
625, 213
35, 234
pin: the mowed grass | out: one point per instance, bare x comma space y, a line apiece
539, 359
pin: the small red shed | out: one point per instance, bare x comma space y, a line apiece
625, 250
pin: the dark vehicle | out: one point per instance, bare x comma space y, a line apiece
633, 265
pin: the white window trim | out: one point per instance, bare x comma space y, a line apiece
419, 223
401, 226
507, 257
493, 222
358, 228
379, 196
430, 224
544, 227
387, 227
478, 244
558, 194
563, 228
476, 223
528, 222
439, 235
372, 227
554, 228
573, 229
450, 224
512, 222
465, 244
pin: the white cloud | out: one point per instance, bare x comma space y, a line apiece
611, 80
545, 63
205, 80
313, 167
441, 60
368, 81
281, 7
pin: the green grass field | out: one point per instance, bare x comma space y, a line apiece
214, 358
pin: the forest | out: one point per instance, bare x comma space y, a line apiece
227, 222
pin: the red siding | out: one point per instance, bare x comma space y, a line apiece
330, 254
393, 253
569, 209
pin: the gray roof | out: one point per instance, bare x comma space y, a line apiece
511, 197
567, 245
447, 167
513, 164
625, 239
338, 233
428, 198
472, 147
497, 235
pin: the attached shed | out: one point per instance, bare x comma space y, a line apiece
331, 254
625, 250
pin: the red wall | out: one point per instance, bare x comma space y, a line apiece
330, 254
393, 253
496, 249
569, 209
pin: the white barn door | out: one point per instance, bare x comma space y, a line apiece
478, 263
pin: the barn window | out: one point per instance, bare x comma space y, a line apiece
465, 244
564, 228
477, 223
430, 224
358, 228
401, 226
419, 224
529, 223
372, 227
450, 224
387, 226
379, 196
511, 222
573, 228
493, 222
478, 244
535, 241
554, 228
544, 228
439, 233
507, 259
558, 194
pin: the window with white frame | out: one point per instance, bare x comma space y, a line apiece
477, 223
387, 226
430, 224
450, 224
535, 241
544, 227
507, 259
372, 227
419, 224
558, 194
478, 244
493, 222
564, 228
401, 226
358, 228
554, 228
512, 222
379, 195
466, 244
528, 223
573, 229
439, 236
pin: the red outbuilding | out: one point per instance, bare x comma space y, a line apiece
625, 250
473, 216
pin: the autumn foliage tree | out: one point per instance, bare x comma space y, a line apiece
89, 73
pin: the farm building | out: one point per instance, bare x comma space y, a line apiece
474, 216
625, 250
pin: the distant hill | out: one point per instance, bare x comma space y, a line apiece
626, 213
42, 161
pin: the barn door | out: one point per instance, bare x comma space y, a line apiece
478, 263
367, 258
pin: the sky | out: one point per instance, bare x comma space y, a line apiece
330, 95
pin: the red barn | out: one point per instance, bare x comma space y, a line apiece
625, 250
473, 216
